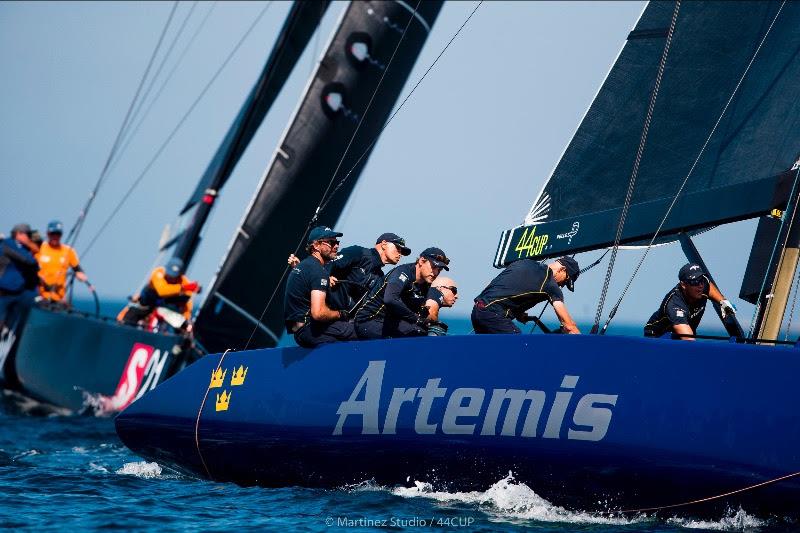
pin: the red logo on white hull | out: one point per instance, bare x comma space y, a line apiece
141, 374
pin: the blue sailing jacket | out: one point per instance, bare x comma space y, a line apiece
17, 265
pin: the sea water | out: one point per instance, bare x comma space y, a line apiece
60, 471
72, 472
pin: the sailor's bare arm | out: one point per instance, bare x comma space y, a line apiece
564, 317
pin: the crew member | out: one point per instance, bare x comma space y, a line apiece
519, 287
394, 308
443, 293
360, 268
18, 272
168, 287
55, 260
306, 312
682, 308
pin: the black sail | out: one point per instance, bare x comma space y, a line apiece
305, 161
301, 22
755, 142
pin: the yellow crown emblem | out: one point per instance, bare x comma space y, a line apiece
217, 377
238, 375
223, 400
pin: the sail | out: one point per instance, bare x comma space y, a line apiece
756, 140
299, 27
304, 163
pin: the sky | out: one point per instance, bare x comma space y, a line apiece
478, 138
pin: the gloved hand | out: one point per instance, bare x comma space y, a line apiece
424, 323
344, 315
189, 286
726, 308
293, 260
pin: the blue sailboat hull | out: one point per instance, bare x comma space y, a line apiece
587, 421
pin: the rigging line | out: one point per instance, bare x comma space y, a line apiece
715, 497
367, 109
333, 192
72, 236
130, 137
175, 130
336, 171
153, 79
635, 172
691, 170
403, 103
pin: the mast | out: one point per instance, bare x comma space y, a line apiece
297, 31
772, 264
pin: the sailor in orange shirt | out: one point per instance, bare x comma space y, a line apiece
55, 259
170, 288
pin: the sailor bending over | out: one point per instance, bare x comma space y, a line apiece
443, 293
167, 297
394, 307
360, 268
682, 308
306, 312
519, 287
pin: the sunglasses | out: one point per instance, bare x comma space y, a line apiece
695, 282
438, 258
330, 243
453, 289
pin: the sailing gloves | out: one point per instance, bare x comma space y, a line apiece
726, 308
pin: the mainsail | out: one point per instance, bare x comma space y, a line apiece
355, 64
748, 50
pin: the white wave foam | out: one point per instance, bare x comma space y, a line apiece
141, 469
94, 467
79, 449
27, 453
509, 499
738, 521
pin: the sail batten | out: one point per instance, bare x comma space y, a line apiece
756, 138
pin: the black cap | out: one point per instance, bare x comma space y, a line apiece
397, 240
690, 272
573, 271
322, 232
436, 256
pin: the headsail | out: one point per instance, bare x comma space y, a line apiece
304, 163
755, 142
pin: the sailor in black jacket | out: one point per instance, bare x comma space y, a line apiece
396, 306
361, 268
519, 287
682, 308
306, 312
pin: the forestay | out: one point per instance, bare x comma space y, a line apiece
740, 173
